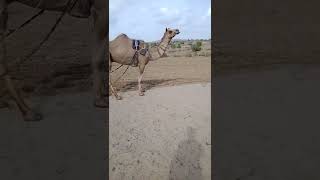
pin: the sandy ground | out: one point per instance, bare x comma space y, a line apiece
167, 71
266, 124
71, 139
165, 134
266, 119
272, 31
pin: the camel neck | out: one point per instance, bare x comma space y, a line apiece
163, 46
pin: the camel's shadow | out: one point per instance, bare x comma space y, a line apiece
146, 84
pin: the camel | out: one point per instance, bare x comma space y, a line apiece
122, 52
96, 10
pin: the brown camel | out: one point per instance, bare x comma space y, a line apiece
122, 52
96, 10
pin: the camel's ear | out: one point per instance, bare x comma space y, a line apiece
166, 29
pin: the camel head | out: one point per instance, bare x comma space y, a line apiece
170, 33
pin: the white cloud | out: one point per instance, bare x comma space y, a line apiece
116, 7
148, 21
164, 10
207, 15
171, 16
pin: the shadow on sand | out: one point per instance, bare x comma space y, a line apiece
186, 163
146, 84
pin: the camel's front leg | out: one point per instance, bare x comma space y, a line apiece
27, 113
141, 71
97, 69
98, 57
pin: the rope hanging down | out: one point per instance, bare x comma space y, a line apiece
48, 35
122, 74
25, 23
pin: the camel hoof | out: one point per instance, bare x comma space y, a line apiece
118, 97
141, 94
32, 116
101, 103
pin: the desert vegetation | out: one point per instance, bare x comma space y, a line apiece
188, 48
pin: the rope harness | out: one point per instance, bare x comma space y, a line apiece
70, 5
163, 49
26, 22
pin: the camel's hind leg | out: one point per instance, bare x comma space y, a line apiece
114, 92
27, 113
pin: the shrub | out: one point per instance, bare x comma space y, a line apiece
178, 45
199, 43
196, 47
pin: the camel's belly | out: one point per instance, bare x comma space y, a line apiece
123, 57
125, 60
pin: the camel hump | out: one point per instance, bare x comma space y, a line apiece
122, 35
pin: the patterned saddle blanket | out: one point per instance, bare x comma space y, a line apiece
136, 44
139, 47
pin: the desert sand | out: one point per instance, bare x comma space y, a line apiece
266, 123
71, 139
165, 134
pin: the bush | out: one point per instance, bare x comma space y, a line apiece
196, 47
199, 43
176, 45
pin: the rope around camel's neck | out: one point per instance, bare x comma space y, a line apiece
160, 49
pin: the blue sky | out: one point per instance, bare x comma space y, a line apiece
147, 20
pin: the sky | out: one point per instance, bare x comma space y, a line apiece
147, 20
